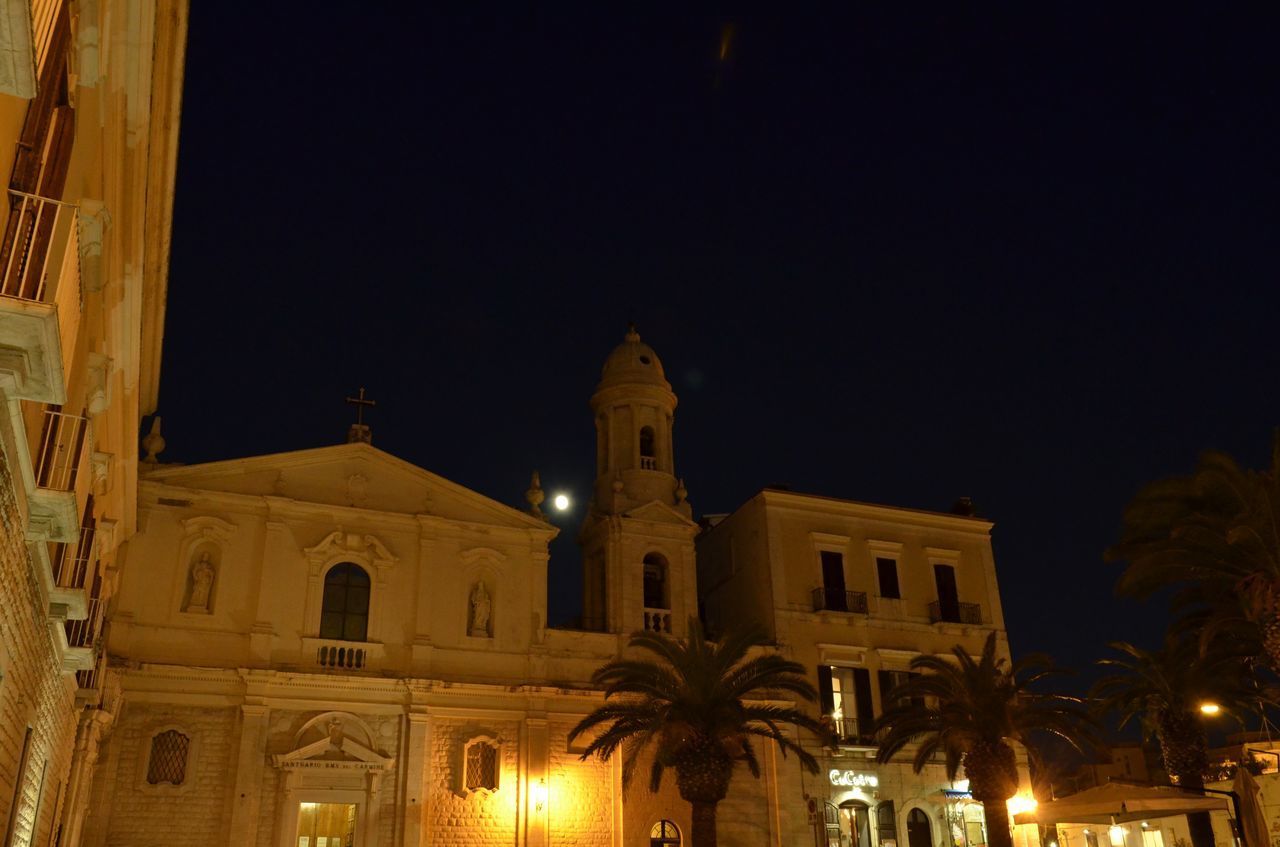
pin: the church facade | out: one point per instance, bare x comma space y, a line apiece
335, 647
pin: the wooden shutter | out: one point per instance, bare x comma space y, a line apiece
825, 695
862, 696
885, 678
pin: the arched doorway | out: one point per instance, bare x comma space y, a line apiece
919, 833
855, 824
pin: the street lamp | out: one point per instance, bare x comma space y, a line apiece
1210, 708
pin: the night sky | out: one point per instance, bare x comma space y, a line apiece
896, 256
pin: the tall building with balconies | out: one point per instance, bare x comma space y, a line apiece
854, 591
89, 104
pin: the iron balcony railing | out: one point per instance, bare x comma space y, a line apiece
91, 678
71, 561
57, 459
955, 612
845, 731
35, 224
84, 633
839, 600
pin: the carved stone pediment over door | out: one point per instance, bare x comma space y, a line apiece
333, 761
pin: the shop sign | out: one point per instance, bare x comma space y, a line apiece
853, 779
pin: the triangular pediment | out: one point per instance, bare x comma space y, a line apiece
352, 475
658, 512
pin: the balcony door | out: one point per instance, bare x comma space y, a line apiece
948, 597
833, 581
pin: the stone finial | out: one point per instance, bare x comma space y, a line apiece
682, 493
632, 335
964, 506
153, 442
535, 495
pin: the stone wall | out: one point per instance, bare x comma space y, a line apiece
580, 795
475, 819
33, 690
190, 814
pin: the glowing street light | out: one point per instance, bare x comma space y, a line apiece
1209, 708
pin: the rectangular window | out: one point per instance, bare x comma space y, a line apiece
887, 570
833, 581
846, 700
17, 786
889, 680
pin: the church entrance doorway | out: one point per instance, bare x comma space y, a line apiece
326, 825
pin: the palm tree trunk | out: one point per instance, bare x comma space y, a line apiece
1199, 823
997, 816
704, 825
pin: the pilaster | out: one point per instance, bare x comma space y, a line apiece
251, 755
538, 778
417, 765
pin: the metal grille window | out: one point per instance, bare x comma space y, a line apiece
168, 761
482, 766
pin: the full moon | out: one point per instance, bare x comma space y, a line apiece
561, 502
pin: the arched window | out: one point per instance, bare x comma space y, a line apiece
168, 760
655, 582
344, 612
664, 833
648, 459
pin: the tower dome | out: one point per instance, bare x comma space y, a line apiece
633, 363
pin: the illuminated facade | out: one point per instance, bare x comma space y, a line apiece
333, 646
854, 591
89, 107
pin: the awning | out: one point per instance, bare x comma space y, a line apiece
1120, 803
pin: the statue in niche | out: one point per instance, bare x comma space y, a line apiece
481, 606
202, 573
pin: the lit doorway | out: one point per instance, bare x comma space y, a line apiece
855, 824
326, 825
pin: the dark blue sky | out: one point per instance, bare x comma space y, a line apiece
887, 254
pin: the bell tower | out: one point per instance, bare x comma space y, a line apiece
637, 536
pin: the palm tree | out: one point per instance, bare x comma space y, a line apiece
973, 711
1164, 690
696, 709
1217, 534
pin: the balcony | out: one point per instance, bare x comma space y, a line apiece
648, 463
332, 654
955, 612
82, 638
837, 600
56, 466
39, 297
72, 567
845, 731
657, 620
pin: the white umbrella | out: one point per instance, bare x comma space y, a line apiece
1253, 821
1117, 802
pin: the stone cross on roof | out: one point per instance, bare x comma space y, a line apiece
360, 431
